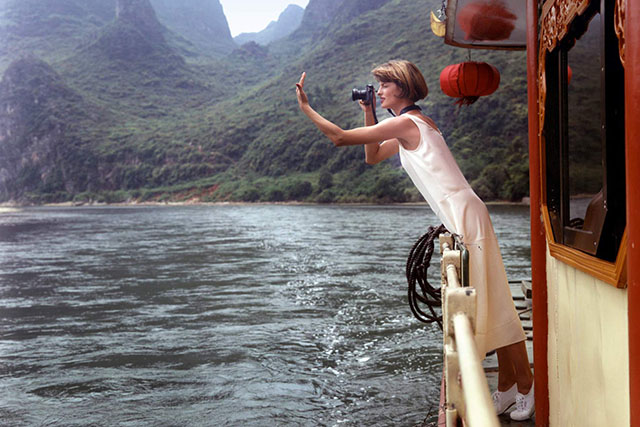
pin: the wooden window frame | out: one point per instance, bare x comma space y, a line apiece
557, 35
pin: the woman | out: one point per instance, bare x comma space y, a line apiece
428, 161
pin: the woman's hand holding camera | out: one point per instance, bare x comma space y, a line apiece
367, 100
368, 106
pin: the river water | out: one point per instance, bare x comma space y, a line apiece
253, 315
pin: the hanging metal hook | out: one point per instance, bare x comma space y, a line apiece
442, 12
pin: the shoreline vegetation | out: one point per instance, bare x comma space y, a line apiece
377, 186
8, 207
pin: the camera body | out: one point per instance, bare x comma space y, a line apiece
366, 95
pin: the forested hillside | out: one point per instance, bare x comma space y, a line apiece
103, 106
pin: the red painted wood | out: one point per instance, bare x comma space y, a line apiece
538, 241
632, 112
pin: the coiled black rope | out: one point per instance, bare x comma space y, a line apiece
417, 266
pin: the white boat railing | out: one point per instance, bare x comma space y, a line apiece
466, 391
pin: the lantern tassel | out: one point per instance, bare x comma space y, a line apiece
466, 100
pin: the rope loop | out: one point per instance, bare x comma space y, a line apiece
420, 290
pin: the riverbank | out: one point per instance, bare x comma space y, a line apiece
9, 207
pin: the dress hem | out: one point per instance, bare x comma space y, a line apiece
502, 336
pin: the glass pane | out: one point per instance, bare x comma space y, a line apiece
584, 127
489, 23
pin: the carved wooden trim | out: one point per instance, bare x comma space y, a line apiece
542, 93
619, 24
555, 20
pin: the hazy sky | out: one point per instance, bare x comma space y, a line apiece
250, 16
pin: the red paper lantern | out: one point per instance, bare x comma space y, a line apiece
486, 21
469, 81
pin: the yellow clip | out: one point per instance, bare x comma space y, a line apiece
437, 26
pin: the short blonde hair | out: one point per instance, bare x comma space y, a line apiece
406, 75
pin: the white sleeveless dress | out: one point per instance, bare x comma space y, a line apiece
436, 174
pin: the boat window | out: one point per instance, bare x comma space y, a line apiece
584, 136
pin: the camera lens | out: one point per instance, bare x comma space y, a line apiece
357, 94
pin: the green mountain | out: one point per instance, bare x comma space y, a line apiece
41, 150
49, 29
201, 22
153, 113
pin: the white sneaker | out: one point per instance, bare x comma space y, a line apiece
525, 406
503, 400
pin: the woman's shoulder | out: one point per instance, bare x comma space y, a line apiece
427, 120
430, 122
411, 118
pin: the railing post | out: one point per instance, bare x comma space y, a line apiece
467, 393
454, 399
474, 383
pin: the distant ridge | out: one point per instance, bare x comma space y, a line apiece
49, 29
320, 19
288, 21
135, 34
320, 14
140, 14
201, 22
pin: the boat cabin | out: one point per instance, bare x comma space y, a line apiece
583, 63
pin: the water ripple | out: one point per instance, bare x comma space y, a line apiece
225, 315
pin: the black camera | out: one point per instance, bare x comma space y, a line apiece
365, 95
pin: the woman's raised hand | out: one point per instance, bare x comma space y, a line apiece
302, 97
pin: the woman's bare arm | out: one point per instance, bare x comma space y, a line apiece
380, 152
397, 127
375, 153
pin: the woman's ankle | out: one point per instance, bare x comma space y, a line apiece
524, 386
505, 385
